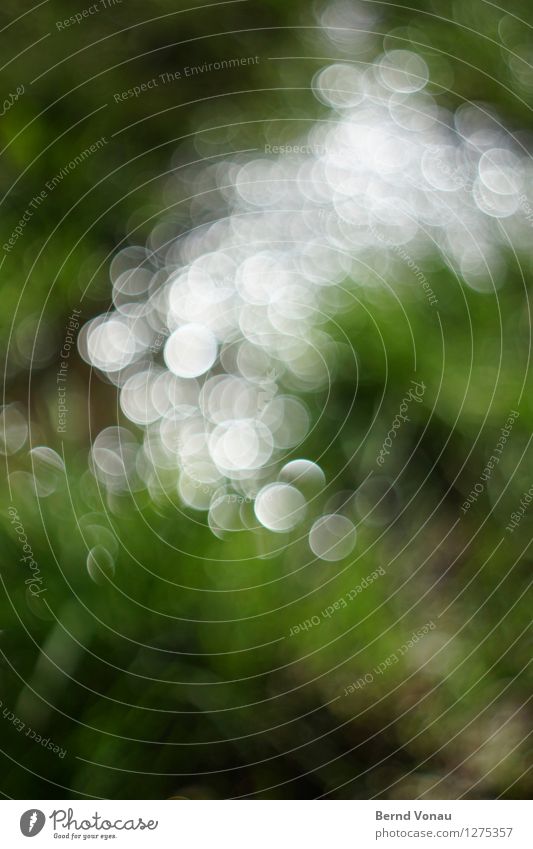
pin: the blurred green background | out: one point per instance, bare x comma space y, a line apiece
148, 682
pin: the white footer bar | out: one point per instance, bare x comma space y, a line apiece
266, 824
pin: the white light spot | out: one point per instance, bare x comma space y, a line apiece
100, 565
13, 429
280, 507
191, 350
332, 537
48, 470
304, 474
404, 71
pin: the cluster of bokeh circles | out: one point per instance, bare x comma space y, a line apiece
216, 336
